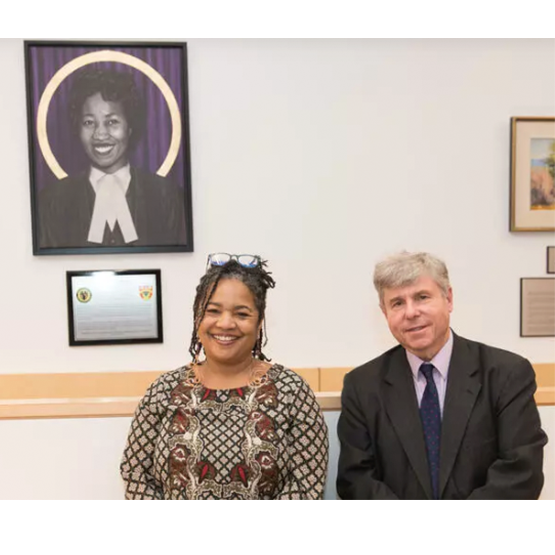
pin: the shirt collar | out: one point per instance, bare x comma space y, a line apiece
440, 361
123, 176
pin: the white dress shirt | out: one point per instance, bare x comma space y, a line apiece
441, 369
110, 205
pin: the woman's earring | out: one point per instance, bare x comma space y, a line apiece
257, 349
198, 348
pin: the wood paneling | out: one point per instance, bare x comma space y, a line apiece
331, 379
311, 375
79, 395
545, 374
68, 408
75, 385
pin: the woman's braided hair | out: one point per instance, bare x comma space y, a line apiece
257, 279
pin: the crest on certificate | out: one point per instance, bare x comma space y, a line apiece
83, 295
145, 291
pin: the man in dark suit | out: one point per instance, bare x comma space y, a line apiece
438, 416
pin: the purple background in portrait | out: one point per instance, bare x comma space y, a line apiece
151, 149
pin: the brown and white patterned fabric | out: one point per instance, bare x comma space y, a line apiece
266, 441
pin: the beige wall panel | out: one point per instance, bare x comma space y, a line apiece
117, 393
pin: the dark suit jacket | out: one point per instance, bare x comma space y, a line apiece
491, 439
156, 205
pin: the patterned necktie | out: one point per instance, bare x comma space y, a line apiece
431, 424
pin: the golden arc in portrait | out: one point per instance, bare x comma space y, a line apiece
107, 56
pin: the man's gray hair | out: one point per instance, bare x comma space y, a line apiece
404, 268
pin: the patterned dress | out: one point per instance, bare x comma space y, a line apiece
267, 441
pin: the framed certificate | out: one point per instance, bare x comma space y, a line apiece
107, 307
537, 307
551, 260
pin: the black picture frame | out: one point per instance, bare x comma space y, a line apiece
544, 299
72, 129
71, 294
550, 262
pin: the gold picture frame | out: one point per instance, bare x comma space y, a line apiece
532, 174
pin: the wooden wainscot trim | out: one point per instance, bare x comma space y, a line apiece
98, 407
75, 385
84, 395
545, 396
331, 379
545, 378
545, 374
329, 400
69, 408
311, 375
105, 394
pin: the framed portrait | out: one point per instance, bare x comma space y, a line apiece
109, 149
537, 307
551, 260
532, 174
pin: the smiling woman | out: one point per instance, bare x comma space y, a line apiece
227, 332
111, 203
104, 133
232, 426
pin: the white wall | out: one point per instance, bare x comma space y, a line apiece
323, 156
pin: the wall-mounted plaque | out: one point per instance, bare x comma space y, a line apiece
108, 307
537, 307
551, 260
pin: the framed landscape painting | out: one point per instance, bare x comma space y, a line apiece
532, 174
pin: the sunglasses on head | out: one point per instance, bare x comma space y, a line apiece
222, 258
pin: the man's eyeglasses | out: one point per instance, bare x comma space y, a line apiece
222, 258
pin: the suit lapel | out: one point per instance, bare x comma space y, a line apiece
402, 407
463, 386
134, 190
137, 199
